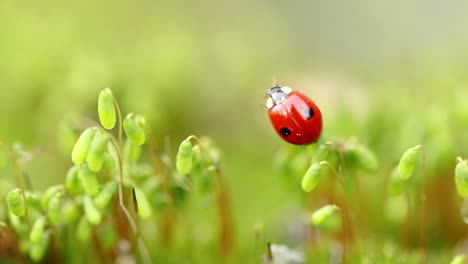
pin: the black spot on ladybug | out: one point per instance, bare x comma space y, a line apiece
285, 131
309, 113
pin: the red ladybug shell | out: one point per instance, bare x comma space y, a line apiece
294, 116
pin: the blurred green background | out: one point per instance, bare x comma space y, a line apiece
392, 74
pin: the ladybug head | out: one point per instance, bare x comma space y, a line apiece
276, 95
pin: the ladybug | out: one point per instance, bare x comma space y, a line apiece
294, 116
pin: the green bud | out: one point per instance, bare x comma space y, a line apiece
37, 250
15, 202
461, 177
54, 211
408, 162
72, 181
322, 214
105, 196
92, 213
184, 157
311, 177
37, 230
84, 230
71, 212
396, 185
80, 150
48, 194
106, 108
459, 259
95, 156
134, 128
88, 180
144, 208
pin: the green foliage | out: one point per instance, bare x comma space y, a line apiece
104, 168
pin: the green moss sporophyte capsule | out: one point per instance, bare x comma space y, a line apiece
461, 177
134, 128
84, 229
88, 180
54, 211
95, 156
184, 157
16, 202
92, 213
72, 181
37, 230
408, 162
322, 214
104, 197
106, 108
311, 177
80, 150
38, 250
49, 194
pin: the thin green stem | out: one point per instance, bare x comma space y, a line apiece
340, 153
118, 148
345, 212
193, 137
422, 226
19, 180
119, 115
335, 173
